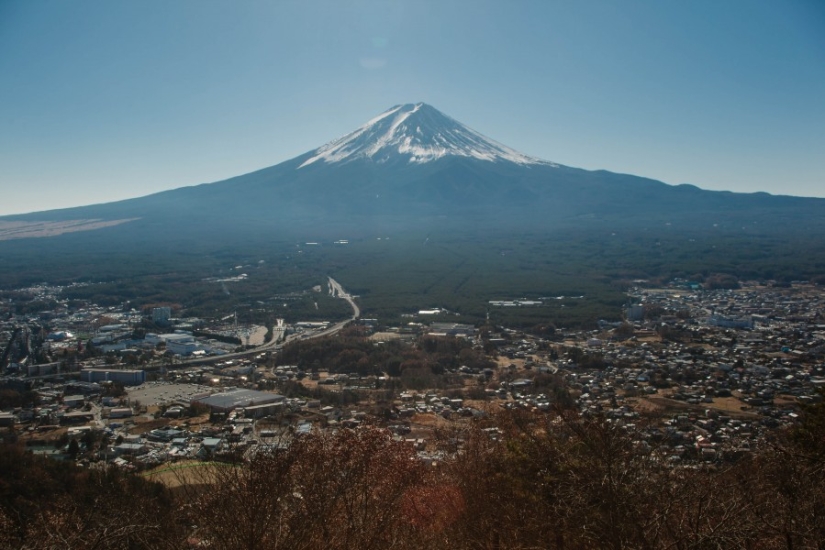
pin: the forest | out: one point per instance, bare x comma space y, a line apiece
516, 480
579, 275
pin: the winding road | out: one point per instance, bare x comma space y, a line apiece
338, 290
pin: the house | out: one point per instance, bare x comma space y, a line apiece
7, 419
120, 412
73, 401
131, 449
211, 445
77, 417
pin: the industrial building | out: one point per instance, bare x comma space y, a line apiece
451, 329
181, 343
43, 369
125, 377
238, 398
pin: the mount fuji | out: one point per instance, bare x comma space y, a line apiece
415, 134
413, 166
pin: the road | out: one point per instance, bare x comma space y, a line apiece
336, 290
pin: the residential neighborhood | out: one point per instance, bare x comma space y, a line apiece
702, 376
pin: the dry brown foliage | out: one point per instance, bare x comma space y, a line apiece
554, 481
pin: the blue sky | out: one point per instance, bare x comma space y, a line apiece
103, 100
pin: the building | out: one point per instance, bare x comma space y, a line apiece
76, 417
44, 369
237, 398
161, 315
120, 412
74, 400
635, 313
7, 419
130, 449
452, 329
86, 388
125, 377
728, 322
165, 434
181, 343
211, 445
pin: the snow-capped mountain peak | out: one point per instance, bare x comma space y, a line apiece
418, 133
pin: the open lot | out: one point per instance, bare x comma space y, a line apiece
190, 472
725, 405
159, 393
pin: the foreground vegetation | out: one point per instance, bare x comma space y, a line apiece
518, 480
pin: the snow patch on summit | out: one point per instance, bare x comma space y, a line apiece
418, 133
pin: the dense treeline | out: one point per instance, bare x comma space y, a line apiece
517, 481
457, 270
350, 352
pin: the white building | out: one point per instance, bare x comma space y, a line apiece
180, 343
123, 376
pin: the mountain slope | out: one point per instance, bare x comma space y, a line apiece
418, 134
413, 165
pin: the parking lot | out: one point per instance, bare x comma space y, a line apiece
160, 393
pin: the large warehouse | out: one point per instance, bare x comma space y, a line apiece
237, 398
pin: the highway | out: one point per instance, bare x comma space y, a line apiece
335, 289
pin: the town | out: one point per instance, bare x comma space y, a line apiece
703, 375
